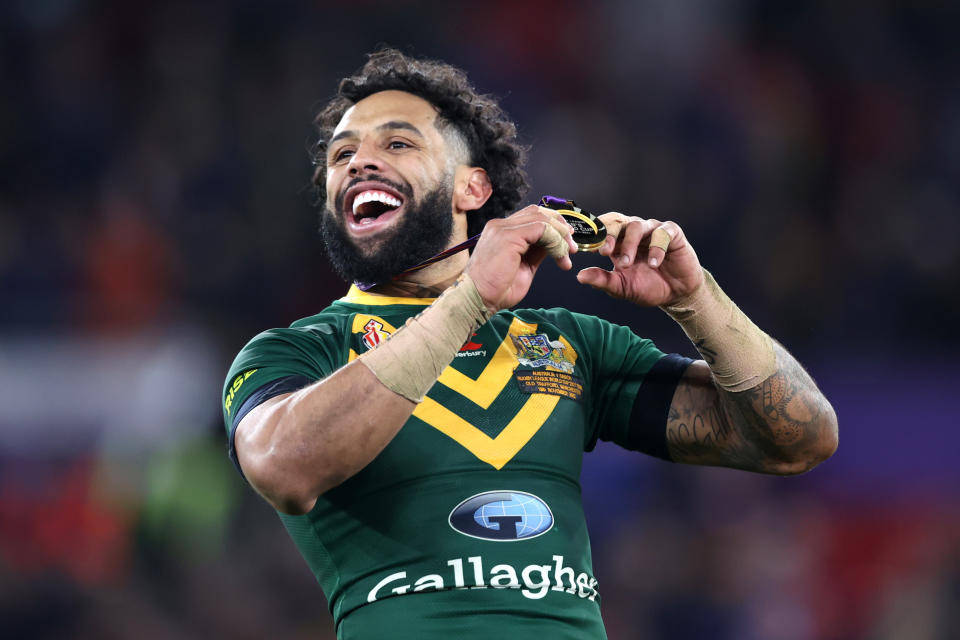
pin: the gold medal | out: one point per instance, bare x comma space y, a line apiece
588, 231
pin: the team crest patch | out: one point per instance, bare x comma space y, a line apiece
539, 351
374, 334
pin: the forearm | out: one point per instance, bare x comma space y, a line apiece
782, 426
756, 408
788, 420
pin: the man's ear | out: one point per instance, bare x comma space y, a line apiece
472, 188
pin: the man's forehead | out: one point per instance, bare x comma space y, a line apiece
388, 106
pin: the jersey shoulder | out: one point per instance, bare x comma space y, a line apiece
312, 348
322, 330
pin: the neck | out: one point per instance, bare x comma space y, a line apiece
428, 282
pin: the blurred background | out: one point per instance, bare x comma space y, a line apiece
155, 213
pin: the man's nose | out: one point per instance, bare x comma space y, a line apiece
364, 159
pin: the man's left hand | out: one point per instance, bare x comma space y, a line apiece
653, 264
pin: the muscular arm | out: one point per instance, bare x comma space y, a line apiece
296, 446
782, 426
753, 406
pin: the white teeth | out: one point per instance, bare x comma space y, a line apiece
377, 196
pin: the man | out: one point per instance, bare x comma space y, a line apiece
421, 440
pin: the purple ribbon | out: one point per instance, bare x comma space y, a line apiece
554, 202
470, 242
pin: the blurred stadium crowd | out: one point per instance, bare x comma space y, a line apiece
155, 213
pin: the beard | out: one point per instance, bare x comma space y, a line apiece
423, 232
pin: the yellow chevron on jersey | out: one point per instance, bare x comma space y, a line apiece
494, 451
487, 386
482, 391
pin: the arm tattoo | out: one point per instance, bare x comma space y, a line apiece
783, 425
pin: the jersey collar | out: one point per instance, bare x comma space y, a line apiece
356, 296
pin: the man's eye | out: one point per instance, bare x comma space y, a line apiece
342, 155
398, 144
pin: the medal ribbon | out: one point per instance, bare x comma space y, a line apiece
468, 244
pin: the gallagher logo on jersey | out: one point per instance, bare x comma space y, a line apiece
502, 516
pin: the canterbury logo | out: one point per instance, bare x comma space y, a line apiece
470, 345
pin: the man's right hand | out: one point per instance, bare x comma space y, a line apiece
511, 249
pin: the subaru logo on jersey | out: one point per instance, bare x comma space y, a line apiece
502, 516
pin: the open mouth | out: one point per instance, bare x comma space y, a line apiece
370, 204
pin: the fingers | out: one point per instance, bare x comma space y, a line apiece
510, 251
597, 277
633, 233
665, 238
546, 228
554, 243
613, 221
563, 229
629, 238
659, 243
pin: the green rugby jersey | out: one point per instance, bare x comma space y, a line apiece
469, 523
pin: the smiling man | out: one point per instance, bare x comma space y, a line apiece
421, 438
381, 225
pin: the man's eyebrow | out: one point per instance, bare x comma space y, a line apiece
343, 134
393, 124
399, 124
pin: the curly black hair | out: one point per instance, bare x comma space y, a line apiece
490, 136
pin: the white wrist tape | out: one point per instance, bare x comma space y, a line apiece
411, 360
740, 355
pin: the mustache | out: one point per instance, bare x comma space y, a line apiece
403, 188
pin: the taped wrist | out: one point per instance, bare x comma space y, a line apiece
739, 353
411, 360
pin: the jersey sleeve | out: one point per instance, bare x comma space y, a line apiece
275, 362
632, 384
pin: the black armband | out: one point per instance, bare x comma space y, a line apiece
651, 407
